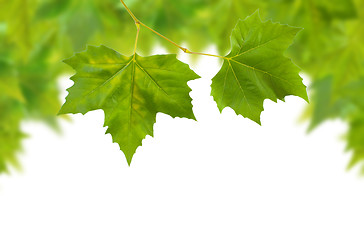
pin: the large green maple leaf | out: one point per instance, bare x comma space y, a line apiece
130, 91
256, 68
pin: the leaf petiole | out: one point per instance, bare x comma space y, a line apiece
185, 50
165, 38
137, 36
130, 12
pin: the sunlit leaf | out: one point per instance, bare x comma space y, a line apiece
256, 68
130, 91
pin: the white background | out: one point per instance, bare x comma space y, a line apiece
223, 177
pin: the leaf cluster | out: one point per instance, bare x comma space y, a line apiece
36, 34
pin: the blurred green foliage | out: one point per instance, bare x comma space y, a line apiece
35, 35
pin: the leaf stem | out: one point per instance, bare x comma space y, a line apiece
130, 12
137, 36
207, 54
185, 50
175, 44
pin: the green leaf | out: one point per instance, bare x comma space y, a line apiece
354, 93
9, 84
233, 10
337, 8
51, 8
130, 91
327, 103
175, 19
355, 138
10, 133
38, 83
256, 68
18, 17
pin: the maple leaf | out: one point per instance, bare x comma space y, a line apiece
130, 91
330, 49
256, 68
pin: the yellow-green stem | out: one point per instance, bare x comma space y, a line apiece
207, 54
165, 38
185, 50
130, 12
137, 36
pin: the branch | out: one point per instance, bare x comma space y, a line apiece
185, 50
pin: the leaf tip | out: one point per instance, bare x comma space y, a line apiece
61, 111
256, 13
257, 120
67, 60
129, 158
129, 163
